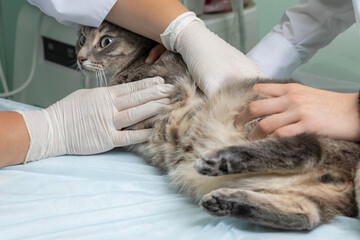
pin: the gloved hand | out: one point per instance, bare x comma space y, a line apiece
89, 121
211, 60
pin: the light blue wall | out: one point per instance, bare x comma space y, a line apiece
2, 47
270, 13
8, 17
340, 60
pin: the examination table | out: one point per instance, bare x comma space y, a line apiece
117, 195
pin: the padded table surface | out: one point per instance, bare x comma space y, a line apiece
117, 195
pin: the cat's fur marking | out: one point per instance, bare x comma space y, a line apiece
292, 183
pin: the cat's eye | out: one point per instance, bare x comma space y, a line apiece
105, 41
82, 40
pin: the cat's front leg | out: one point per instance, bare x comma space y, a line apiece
299, 153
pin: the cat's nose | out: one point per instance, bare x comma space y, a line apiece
81, 60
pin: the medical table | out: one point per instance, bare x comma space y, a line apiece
117, 195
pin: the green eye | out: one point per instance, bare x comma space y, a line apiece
82, 40
106, 41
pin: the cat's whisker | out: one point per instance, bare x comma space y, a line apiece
98, 78
96, 66
98, 82
104, 78
101, 78
75, 67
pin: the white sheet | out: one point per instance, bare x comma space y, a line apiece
117, 195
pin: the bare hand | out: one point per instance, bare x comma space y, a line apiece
295, 109
155, 53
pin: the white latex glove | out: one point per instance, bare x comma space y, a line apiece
211, 60
89, 121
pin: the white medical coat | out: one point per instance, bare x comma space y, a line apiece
303, 30
75, 12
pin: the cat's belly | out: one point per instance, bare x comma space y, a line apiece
195, 185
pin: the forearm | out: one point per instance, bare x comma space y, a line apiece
303, 30
146, 17
14, 139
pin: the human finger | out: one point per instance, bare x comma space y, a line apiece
143, 96
271, 124
137, 114
124, 138
127, 88
289, 130
272, 89
261, 108
155, 53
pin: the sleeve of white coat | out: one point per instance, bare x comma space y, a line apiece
303, 30
72, 12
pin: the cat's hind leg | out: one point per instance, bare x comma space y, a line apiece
291, 212
299, 153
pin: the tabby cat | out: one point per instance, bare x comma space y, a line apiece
292, 183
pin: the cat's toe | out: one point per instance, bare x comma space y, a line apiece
214, 204
211, 165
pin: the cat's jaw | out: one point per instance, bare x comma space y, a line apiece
97, 72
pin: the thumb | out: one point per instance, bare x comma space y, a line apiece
209, 85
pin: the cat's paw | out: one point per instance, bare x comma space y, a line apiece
221, 162
216, 204
229, 160
229, 202
212, 164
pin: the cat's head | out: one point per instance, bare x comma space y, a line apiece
109, 48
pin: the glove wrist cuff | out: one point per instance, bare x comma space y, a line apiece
42, 135
171, 33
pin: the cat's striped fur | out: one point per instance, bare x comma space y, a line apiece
291, 183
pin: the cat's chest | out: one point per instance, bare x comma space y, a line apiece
177, 121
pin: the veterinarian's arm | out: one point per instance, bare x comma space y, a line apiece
295, 109
14, 139
303, 30
146, 17
87, 121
